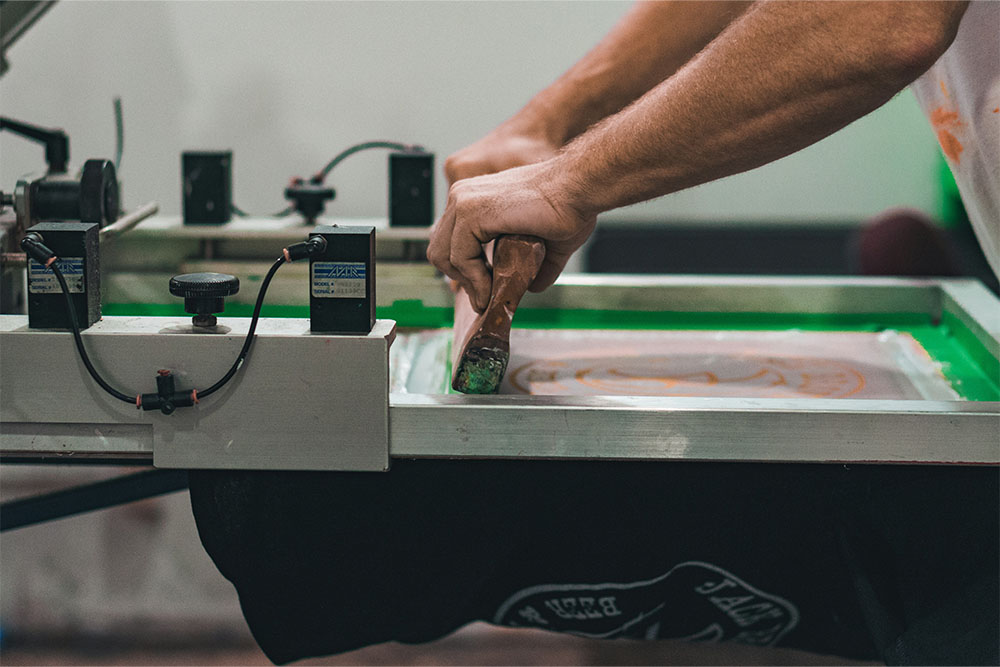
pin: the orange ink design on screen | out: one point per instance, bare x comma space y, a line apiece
697, 375
721, 364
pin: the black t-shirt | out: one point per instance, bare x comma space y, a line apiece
890, 562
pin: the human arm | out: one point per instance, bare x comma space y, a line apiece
651, 42
782, 76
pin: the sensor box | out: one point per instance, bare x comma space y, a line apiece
76, 245
207, 182
411, 189
342, 281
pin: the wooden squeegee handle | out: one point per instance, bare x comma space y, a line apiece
481, 344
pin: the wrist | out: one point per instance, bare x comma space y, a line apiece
563, 184
542, 120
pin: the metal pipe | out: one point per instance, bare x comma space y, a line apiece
16, 260
127, 222
88, 497
13, 260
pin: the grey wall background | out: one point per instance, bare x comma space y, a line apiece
285, 85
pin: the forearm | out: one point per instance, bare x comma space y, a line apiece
781, 77
648, 45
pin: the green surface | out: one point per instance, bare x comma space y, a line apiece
972, 370
952, 211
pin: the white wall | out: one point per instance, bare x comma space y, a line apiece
286, 85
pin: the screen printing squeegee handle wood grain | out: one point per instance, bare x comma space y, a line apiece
481, 343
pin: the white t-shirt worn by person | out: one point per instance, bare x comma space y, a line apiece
960, 94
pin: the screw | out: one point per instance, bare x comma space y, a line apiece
206, 321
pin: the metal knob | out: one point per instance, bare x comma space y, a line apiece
204, 294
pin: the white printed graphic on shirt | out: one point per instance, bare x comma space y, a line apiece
694, 600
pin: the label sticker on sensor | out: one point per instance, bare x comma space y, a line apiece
339, 280
41, 279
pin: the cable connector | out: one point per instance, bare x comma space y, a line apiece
33, 245
309, 198
166, 400
316, 245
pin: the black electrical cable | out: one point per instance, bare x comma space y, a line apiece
334, 161
343, 155
211, 390
249, 339
75, 325
240, 213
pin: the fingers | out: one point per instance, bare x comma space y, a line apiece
467, 257
439, 248
509, 202
552, 266
458, 254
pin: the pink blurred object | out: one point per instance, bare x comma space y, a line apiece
904, 242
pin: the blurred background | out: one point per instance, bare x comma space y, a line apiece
286, 85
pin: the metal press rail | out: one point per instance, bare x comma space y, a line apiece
544, 427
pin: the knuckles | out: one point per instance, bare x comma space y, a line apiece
436, 257
451, 167
458, 190
458, 167
463, 199
458, 261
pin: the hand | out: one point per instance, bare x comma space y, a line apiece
524, 200
499, 150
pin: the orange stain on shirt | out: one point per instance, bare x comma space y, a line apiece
942, 117
946, 123
996, 110
951, 146
944, 89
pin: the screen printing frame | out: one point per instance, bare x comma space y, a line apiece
725, 429
695, 429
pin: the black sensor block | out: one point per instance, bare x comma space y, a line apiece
342, 281
76, 246
411, 189
207, 187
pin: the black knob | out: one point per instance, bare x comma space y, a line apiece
98, 192
93, 198
309, 198
204, 294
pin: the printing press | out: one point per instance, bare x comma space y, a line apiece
197, 349
51, 411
